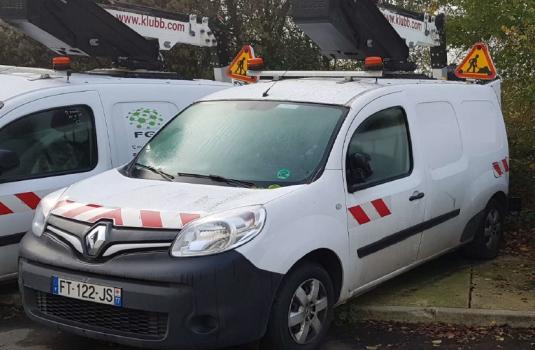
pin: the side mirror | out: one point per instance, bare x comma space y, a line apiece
360, 170
9, 160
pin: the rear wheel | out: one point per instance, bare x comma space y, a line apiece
303, 310
489, 236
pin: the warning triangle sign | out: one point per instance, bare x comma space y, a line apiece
477, 65
239, 66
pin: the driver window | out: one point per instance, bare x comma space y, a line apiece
380, 150
53, 142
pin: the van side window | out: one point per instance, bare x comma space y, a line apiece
380, 150
440, 134
480, 123
58, 141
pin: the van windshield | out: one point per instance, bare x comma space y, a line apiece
260, 143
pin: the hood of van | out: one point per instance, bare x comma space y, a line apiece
142, 203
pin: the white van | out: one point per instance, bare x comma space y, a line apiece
256, 211
55, 132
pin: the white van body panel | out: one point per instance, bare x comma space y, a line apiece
24, 91
115, 190
302, 222
457, 181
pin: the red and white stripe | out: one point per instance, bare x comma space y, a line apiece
20, 202
371, 211
124, 217
501, 168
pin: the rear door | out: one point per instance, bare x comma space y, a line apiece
447, 166
386, 209
59, 140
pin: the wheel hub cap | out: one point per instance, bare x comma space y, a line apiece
308, 311
493, 227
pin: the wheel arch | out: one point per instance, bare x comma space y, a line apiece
501, 198
331, 262
474, 223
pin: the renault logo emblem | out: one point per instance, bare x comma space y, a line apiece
95, 239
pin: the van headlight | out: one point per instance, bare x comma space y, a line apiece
43, 210
220, 232
39, 221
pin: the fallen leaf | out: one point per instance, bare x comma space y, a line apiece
450, 335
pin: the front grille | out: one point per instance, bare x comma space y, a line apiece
105, 318
120, 240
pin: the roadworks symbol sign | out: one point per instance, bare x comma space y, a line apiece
239, 67
477, 65
145, 118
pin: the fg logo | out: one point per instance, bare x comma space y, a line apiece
147, 134
146, 121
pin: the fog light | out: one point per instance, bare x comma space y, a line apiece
203, 324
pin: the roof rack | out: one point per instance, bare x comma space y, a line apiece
347, 75
140, 74
284, 74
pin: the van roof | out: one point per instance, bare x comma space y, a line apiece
15, 81
334, 91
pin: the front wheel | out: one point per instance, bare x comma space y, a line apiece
303, 310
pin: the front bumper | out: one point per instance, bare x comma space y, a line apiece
196, 303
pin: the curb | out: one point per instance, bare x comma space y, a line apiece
465, 317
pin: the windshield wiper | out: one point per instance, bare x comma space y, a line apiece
162, 173
217, 178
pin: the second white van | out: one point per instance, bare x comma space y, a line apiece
55, 131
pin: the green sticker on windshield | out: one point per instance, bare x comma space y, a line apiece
284, 174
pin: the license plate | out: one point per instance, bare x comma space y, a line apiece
87, 291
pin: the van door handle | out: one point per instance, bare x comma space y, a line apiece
417, 196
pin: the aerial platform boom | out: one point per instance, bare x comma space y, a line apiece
130, 35
358, 29
168, 28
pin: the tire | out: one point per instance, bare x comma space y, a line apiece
489, 236
312, 312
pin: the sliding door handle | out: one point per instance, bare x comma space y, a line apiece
417, 196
